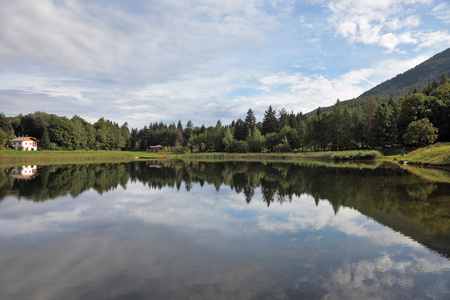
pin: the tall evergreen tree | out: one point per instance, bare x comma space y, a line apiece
443, 78
369, 113
250, 120
240, 130
45, 140
383, 129
283, 119
270, 122
302, 133
336, 126
180, 126
347, 129
357, 125
125, 133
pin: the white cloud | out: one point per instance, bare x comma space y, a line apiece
304, 93
381, 277
315, 90
387, 23
198, 209
198, 60
435, 38
159, 42
147, 56
442, 12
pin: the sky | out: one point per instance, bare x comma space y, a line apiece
142, 62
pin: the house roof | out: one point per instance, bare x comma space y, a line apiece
25, 138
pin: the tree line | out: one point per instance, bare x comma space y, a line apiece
417, 119
61, 133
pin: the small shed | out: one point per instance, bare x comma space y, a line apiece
28, 143
154, 149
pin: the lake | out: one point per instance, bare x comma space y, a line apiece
223, 230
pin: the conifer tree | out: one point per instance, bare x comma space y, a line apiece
270, 121
250, 120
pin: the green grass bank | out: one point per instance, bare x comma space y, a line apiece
324, 155
436, 155
67, 156
107, 156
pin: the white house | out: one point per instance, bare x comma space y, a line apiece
28, 143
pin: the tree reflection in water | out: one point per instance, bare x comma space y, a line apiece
390, 195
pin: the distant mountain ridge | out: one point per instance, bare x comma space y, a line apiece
404, 83
415, 78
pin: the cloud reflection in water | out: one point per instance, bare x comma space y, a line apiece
146, 243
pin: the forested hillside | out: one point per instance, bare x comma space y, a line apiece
413, 79
427, 73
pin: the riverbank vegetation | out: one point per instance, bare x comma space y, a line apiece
104, 156
68, 156
414, 120
323, 155
438, 154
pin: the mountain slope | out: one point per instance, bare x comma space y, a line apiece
403, 84
415, 78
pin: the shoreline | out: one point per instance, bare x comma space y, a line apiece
61, 157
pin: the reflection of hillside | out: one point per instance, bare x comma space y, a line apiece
389, 194
436, 241
435, 175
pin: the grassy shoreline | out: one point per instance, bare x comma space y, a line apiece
98, 156
324, 155
435, 155
67, 156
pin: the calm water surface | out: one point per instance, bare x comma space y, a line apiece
222, 231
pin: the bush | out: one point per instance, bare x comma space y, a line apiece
282, 148
255, 146
420, 133
178, 150
350, 155
237, 147
272, 140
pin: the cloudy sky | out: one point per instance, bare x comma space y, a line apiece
204, 60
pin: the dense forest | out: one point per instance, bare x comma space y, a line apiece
417, 119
